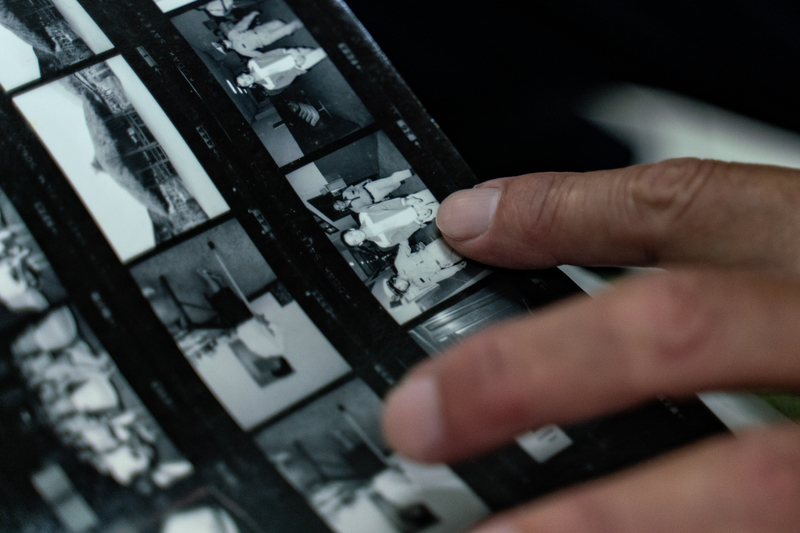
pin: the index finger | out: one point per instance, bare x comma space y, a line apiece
685, 211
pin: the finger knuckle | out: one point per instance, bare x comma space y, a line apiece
544, 199
656, 197
768, 474
667, 322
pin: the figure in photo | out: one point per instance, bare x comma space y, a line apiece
91, 407
421, 270
277, 69
27, 282
127, 162
239, 327
332, 452
41, 37
380, 215
361, 195
392, 222
275, 73
247, 39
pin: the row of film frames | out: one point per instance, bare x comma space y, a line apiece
329, 149
106, 91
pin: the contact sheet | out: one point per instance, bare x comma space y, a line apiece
218, 252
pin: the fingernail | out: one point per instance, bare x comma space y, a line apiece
466, 214
414, 423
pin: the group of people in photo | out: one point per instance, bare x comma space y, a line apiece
387, 224
88, 404
251, 36
276, 74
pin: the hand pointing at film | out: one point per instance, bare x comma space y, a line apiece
725, 315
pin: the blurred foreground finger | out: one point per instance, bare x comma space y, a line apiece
685, 211
665, 334
749, 484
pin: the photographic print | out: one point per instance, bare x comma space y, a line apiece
380, 216
28, 285
332, 452
279, 78
41, 37
129, 165
244, 334
86, 401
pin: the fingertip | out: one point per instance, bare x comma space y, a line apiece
467, 214
412, 421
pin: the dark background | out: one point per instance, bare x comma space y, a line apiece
503, 78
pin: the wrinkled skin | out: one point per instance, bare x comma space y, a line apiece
725, 315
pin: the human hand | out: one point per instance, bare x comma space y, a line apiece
726, 316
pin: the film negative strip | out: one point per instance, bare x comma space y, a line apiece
217, 254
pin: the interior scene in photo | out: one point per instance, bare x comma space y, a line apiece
123, 156
41, 37
499, 300
243, 333
277, 75
380, 216
89, 405
28, 284
332, 452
